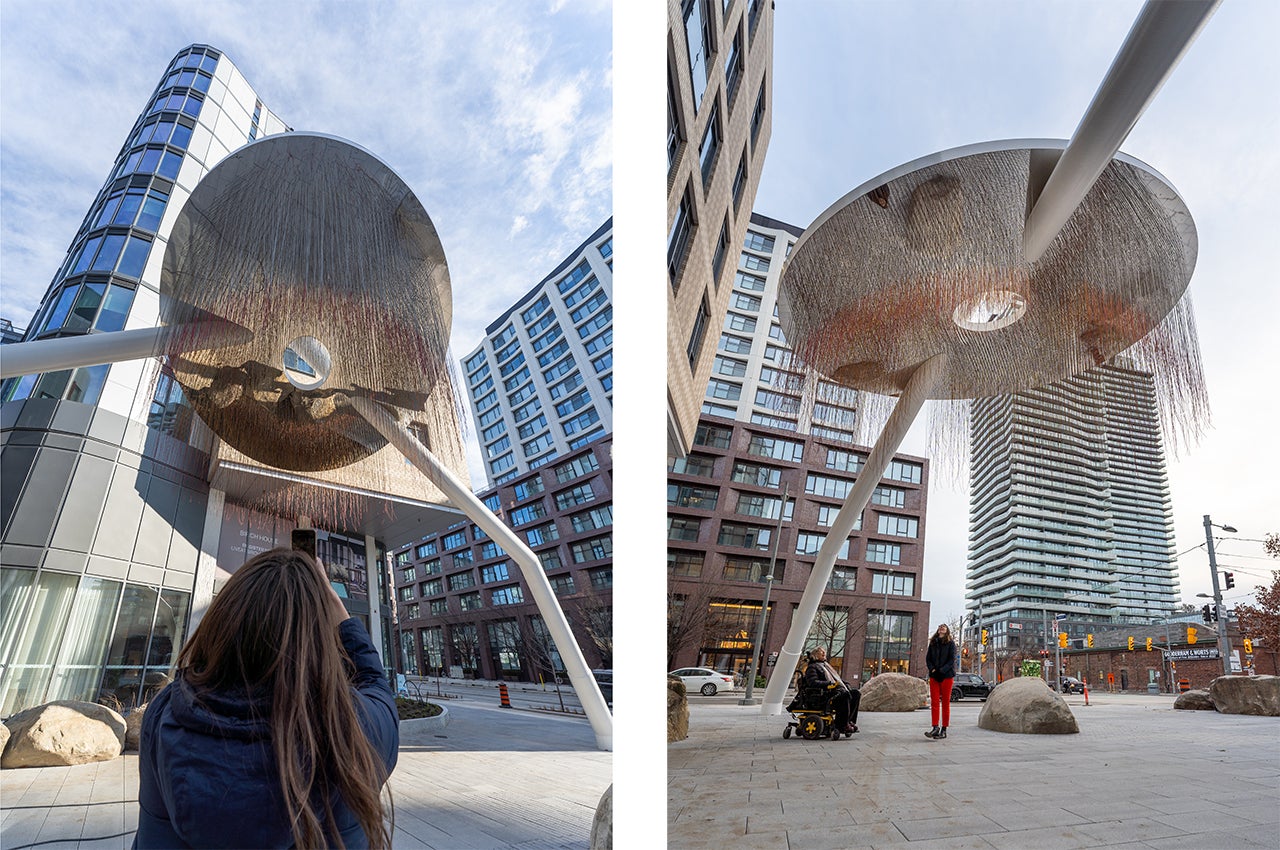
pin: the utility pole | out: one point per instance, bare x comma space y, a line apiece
1224, 647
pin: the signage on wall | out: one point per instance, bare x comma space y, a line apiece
1208, 652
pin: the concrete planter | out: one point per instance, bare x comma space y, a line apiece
423, 730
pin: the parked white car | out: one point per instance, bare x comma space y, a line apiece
704, 680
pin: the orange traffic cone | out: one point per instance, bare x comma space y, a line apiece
1086, 693
504, 697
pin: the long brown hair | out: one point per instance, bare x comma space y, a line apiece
272, 628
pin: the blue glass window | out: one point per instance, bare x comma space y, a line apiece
186, 78
181, 136
128, 207
193, 60
163, 129
135, 257
86, 384
201, 83
86, 307
107, 209
175, 100
152, 210
86, 256
109, 253
22, 388
208, 62
115, 309
150, 159
59, 313
192, 106
169, 165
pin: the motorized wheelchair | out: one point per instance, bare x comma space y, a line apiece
812, 716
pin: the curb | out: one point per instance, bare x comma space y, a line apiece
421, 730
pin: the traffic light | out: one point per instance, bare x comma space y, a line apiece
1248, 646
1148, 644
1062, 639
1191, 634
1044, 653
1130, 642
1231, 580
1088, 640
984, 637
1206, 614
964, 653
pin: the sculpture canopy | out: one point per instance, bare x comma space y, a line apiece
310, 242
927, 259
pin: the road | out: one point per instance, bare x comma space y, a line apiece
521, 694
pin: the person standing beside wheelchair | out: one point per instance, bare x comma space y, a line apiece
941, 661
844, 700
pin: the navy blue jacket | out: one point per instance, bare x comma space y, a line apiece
207, 774
941, 659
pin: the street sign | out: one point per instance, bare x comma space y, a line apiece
1197, 653
1059, 617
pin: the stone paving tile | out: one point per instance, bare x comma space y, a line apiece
956, 842
755, 841
1027, 817
1129, 829
1217, 841
1196, 822
947, 827
1049, 837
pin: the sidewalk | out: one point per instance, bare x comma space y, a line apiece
1139, 775
497, 779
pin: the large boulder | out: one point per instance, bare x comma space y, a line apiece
677, 710
1246, 695
602, 823
62, 733
894, 692
1197, 700
4, 737
1028, 706
133, 727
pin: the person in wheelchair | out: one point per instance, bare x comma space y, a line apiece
820, 678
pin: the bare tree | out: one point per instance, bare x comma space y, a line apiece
540, 650
690, 618
463, 639
591, 613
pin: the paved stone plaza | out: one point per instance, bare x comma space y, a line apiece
1138, 775
496, 779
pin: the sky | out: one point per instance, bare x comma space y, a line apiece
496, 114
862, 87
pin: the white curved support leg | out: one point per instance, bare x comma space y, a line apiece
70, 352
904, 413
530, 567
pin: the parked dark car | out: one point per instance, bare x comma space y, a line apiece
604, 678
1070, 685
969, 685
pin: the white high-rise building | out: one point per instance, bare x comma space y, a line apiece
541, 384
753, 378
1069, 508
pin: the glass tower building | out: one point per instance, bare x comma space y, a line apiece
121, 513
1069, 508
541, 383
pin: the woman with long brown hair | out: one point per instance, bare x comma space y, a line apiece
941, 661
280, 727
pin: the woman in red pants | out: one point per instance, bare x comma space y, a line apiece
941, 661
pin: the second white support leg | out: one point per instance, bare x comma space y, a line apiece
909, 404
530, 566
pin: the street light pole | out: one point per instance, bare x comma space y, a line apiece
764, 606
1224, 646
884, 618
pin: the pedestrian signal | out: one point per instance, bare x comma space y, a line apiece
1148, 644
984, 658
964, 653
1191, 634
1062, 639
1131, 642
1248, 646
1088, 639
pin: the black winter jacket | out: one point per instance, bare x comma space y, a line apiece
941, 659
207, 775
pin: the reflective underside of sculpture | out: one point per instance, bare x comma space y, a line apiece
928, 259
311, 242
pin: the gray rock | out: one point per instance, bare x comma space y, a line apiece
62, 733
1258, 695
602, 824
677, 710
894, 692
1197, 700
1027, 705
4, 737
133, 727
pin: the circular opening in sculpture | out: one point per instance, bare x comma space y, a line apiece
990, 311
307, 363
